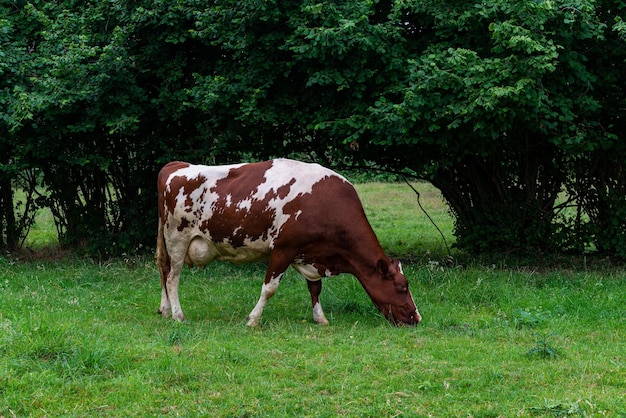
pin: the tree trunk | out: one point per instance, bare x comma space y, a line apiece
9, 234
503, 204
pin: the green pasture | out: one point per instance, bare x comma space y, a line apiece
81, 338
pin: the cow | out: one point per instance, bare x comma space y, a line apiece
282, 211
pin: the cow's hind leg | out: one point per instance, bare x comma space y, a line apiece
165, 308
274, 274
315, 288
169, 295
314, 282
163, 262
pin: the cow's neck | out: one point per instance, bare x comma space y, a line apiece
364, 261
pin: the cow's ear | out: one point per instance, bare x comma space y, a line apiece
383, 267
397, 265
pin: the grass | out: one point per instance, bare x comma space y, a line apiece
402, 227
82, 338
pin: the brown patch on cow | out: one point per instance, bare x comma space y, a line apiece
184, 223
176, 184
166, 201
188, 185
331, 217
232, 223
283, 190
242, 182
254, 224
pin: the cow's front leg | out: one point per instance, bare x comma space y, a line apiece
315, 288
267, 291
279, 261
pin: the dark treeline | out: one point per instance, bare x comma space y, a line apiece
515, 110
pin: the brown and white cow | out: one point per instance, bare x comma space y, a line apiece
284, 211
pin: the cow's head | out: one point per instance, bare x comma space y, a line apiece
391, 294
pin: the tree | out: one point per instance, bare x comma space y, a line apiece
94, 104
16, 213
499, 102
503, 106
597, 181
493, 103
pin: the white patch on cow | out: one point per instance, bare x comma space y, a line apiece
165, 308
307, 270
172, 293
245, 204
229, 200
282, 173
419, 317
318, 315
267, 291
200, 201
297, 215
328, 273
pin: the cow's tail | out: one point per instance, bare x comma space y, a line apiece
162, 257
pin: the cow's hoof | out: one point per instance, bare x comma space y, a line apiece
252, 322
178, 316
318, 315
165, 312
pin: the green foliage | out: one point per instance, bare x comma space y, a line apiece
529, 318
503, 99
501, 105
90, 117
558, 409
543, 349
